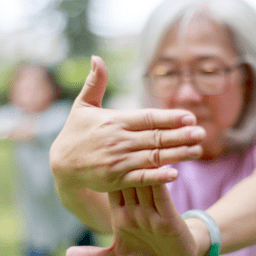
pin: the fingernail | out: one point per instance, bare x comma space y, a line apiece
198, 134
195, 151
188, 120
93, 65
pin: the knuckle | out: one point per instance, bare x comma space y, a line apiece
111, 132
112, 161
113, 168
109, 122
108, 177
154, 157
111, 142
142, 177
157, 138
116, 144
149, 120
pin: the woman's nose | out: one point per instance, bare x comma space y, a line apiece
187, 91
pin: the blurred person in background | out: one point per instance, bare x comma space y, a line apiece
198, 65
32, 119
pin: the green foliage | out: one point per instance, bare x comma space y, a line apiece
7, 70
72, 72
71, 75
81, 40
73, 8
10, 231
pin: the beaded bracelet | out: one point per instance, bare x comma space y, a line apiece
213, 228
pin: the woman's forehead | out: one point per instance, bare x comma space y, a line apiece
201, 37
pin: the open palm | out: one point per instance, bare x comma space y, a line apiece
145, 222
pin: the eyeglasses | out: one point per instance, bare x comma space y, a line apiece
207, 78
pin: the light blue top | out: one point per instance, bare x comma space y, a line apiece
47, 222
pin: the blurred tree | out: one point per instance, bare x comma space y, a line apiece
81, 40
72, 72
65, 19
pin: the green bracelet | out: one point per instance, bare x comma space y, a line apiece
213, 228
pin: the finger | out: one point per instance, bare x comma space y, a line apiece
88, 251
148, 177
116, 199
159, 157
155, 158
145, 196
163, 201
145, 119
130, 196
157, 138
95, 84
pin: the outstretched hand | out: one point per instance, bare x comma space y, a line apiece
145, 222
109, 150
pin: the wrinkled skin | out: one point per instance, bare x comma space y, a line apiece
123, 148
145, 222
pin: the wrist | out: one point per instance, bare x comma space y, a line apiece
201, 235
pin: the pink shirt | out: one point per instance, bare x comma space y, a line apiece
202, 183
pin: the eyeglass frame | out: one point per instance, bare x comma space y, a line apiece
227, 70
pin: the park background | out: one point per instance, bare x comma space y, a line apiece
63, 34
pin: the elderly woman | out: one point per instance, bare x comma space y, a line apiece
197, 56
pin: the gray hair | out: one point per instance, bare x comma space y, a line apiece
238, 17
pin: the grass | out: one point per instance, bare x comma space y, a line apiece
11, 226
10, 223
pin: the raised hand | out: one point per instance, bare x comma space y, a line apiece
145, 222
108, 150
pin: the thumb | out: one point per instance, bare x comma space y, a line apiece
95, 84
